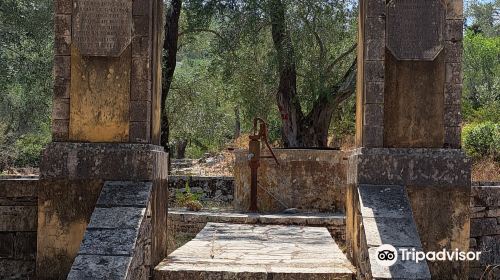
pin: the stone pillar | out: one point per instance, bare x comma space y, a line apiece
408, 120
105, 121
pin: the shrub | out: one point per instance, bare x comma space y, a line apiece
29, 148
188, 199
482, 139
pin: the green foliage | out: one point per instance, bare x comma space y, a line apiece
227, 60
482, 139
481, 92
26, 43
29, 148
183, 198
481, 95
484, 17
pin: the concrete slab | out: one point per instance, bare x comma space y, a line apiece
244, 251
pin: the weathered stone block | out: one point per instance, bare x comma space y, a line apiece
477, 209
453, 51
379, 201
373, 136
62, 25
374, 93
493, 212
452, 137
62, 45
116, 217
60, 109
17, 269
486, 196
490, 248
140, 111
375, 49
125, 194
373, 115
91, 160
140, 89
61, 88
141, 69
453, 73
141, 46
141, 7
108, 242
60, 130
25, 245
374, 71
454, 30
140, 79
142, 26
63, 6
399, 232
375, 8
452, 115
140, 132
375, 28
484, 226
18, 218
452, 94
62, 67
20, 191
99, 267
410, 167
6, 244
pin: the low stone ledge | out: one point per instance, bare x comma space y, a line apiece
18, 228
382, 215
485, 230
215, 189
184, 225
106, 161
117, 242
409, 167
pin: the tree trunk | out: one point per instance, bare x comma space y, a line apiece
299, 130
180, 151
237, 122
170, 47
288, 103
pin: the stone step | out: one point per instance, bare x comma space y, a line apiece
245, 251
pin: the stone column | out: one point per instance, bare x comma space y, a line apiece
408, 117
105, 121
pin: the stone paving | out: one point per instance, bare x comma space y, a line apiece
244, 251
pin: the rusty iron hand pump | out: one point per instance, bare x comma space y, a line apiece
254, 157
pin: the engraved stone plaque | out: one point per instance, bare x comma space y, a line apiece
102, 27
415, 28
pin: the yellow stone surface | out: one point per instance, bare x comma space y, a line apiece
100, 98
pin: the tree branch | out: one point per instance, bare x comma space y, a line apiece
340, 57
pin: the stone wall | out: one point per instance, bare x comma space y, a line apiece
214, 189
18, 226
485, 231
307, 179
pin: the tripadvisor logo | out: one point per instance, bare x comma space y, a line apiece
387, 255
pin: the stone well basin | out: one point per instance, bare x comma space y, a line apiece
307, 179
